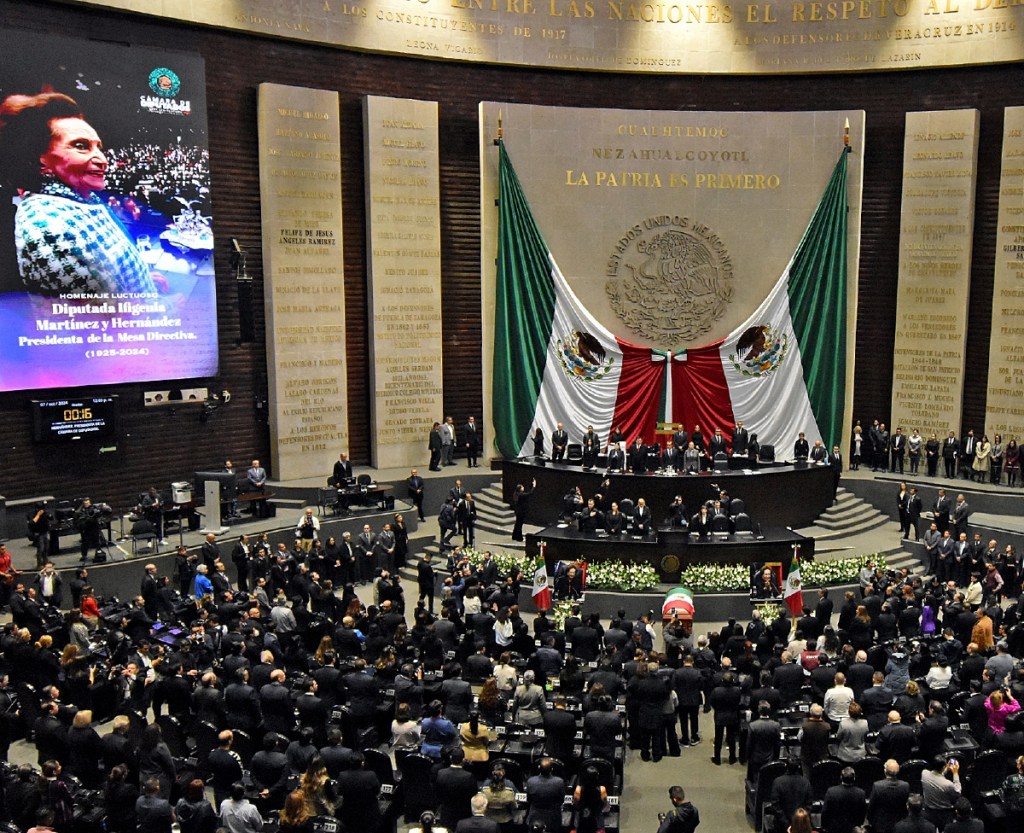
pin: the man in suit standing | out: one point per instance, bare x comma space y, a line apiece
471, 442
210, 552
961, 512
899, 450
414, 487
638, 457
882, 448
740, 440
845, 804
559, 441
642, 518
434, 447
240, 558
425, 580
478, 822
914, 514
342, 471
717, 444
941, 510
670, 459
764, 741
888, 802
967, 448
950, 451
680, 439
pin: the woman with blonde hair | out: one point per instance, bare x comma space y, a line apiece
326, 646
317, 789
85, 750
1000, 705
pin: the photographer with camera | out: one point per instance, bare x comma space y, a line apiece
307, 530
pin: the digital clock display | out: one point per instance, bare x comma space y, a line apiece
75, 419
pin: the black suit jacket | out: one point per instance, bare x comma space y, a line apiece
844, 808
887, 804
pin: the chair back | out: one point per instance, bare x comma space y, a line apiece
765, 778
574, 451
417, 791
868, 770
719, 523
824, 774
742, 522
911, 773
737, 506
173, 735
987, 774
380, 764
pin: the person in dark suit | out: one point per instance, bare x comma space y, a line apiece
914, 508
764, 741
559, 442
455, 787
898, 451
950, 453
342, 471
521, 505
478, 822
591, 447
845, 805
638, 457
545, 793
643, 521
559, 731
359, 789
210, 552
790, 792
434, 447
961, 512
788, 679
425, 580
968, 447
701, 522
895, 740
740, 440
471, 442
887, 803
276, 704
414, 489
616, 458
801, 448
725, 700
717, 444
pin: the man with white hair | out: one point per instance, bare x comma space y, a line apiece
478, 822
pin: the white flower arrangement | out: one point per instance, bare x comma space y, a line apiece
701, 578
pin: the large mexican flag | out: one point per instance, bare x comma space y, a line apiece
781, 372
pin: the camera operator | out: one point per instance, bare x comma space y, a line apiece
88, 517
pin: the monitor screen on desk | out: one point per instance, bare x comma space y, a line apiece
228, 484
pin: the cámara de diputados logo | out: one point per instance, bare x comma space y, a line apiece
165, 85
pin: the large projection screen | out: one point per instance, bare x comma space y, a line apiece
106, 240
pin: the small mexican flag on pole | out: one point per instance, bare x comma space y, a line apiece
541, 591
794, 594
